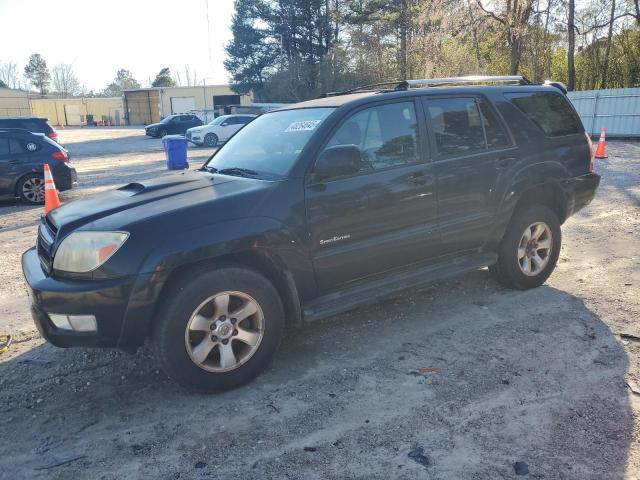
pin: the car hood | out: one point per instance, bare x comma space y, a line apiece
153, 125
183, 200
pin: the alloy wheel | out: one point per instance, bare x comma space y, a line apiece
224, 331
33, 190
534, 249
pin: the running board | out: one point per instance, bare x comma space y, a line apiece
338, 302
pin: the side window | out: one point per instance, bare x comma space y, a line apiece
4, 146
496, 136
457, 125
387, 135
16, 146
549, 111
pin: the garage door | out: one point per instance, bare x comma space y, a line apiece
72, 115
182, 104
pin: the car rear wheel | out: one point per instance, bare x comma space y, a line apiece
219, 329
529, 249
210, 140
30, 189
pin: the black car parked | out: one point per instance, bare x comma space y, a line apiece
32, 124
22, 156
312, 210
173, 124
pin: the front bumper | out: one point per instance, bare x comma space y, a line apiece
583, 191
106, 299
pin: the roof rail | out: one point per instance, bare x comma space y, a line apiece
433, 82
518, 79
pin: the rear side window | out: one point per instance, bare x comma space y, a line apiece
20, 146
4, 146
549, 111
496, 136
457, 125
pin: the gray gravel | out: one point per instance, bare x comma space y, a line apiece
464, 379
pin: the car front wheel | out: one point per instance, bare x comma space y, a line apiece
211, 140
219, 329
529, 249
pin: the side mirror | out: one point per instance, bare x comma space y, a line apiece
224, 124
337, 161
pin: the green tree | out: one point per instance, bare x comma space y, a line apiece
124, 81
37, 73
164, 79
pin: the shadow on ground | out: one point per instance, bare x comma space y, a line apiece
513, 376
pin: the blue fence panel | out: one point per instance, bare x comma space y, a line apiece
615, 109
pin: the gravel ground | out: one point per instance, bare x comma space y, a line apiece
460, 380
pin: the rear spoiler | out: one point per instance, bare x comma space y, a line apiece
559, 85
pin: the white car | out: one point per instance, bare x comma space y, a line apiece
218, 130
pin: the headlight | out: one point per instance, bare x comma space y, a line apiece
85, 251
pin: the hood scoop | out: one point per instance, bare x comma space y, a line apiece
136, 188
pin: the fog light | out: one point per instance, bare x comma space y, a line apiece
78, 323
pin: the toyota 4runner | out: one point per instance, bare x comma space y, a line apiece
309, 211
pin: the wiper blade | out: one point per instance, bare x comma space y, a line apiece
206, 168
241, 172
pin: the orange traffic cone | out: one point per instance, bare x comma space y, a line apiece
51, 199
600, 153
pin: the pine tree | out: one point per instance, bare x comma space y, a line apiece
164, 79
38, 73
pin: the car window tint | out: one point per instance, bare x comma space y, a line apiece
16, 146
549, 111
457, 125
4, 146
387, 135
496, 136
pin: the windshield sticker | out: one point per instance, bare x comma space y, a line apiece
303, 125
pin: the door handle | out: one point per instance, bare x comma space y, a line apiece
419, 178
504, 162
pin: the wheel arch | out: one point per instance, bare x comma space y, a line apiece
23, 176
541, 184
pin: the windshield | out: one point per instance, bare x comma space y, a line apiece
167, 119
217, 121
268, 146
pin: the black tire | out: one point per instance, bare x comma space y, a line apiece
508, 270
210, 140
184, 299
25, 189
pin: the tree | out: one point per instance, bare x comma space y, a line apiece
124, 81
3, 85
64, 81
9, 75
37, 73
164, 79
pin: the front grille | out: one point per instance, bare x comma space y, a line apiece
188, 135
46, 238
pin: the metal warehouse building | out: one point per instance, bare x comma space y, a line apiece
80, 111
14, 103
149, 105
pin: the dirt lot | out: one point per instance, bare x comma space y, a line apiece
540, 377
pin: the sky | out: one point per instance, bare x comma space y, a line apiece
98, 38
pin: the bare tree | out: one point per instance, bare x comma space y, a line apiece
9, 75
514, 16
571, 31
605, 66
65, 82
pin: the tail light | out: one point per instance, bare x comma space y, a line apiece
592, 153
60, 155
53, 135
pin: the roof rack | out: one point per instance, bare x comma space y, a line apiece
434, 82
429, 82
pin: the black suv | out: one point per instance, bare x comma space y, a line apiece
173, 124
32, 124
312, 210
22, 155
